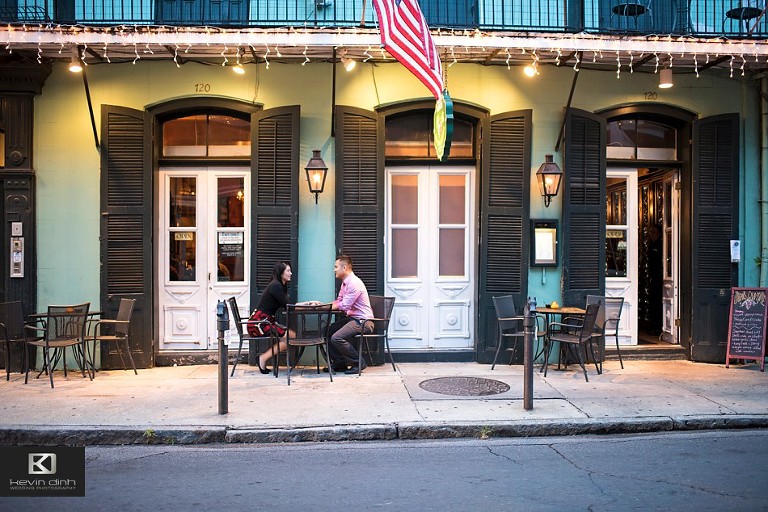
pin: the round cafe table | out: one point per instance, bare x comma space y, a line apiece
550, 313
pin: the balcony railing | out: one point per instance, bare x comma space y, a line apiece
703, 18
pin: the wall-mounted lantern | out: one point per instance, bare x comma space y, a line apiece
316, 173
548, 176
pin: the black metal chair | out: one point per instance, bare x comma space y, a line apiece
116, 332
376, 327
307, 326
63, 327
241, 325
576, 336
12, 333
633, 9
608, 321
511, 327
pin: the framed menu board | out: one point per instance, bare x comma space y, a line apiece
747, 325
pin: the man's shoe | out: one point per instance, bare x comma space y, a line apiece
355, 369
336, 369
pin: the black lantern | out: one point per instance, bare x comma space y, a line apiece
316, 173
548, 176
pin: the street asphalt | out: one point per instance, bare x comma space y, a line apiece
180, 405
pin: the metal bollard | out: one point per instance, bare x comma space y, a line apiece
529, 323
222, 316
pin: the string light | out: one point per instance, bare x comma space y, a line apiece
43, 38
306, 59
224, 54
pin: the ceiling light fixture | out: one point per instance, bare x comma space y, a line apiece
238, 68
349, 64
665, 78
75, 66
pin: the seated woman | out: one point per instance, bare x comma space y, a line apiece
275, 297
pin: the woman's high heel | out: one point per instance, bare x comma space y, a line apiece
263, 370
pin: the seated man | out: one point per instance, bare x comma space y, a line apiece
353, 301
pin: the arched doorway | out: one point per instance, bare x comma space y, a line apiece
429, 235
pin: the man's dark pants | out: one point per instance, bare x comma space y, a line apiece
342, 351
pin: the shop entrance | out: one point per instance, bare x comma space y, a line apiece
642, 252
203, 251
429, 256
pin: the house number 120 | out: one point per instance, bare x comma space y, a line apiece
651, 95
202, 87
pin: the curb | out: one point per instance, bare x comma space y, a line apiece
190, 435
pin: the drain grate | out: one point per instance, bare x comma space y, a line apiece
464, 386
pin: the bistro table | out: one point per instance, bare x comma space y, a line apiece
40, 318
549, 314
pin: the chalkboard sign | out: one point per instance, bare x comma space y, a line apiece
746, 325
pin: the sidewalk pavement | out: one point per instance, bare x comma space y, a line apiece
179, 405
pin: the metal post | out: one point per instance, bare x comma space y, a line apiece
222, 325
530, 334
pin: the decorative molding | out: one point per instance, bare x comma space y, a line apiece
452, 290
404, 291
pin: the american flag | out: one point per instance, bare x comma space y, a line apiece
405, 35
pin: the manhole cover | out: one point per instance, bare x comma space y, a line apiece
464, 386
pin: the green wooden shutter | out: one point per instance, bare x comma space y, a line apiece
504, 200
126, 228
360, 193
583, 207
275, 195
715, 223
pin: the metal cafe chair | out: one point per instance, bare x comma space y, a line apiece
63, 327
307, 326
12, 332
376, 327
241, 325
116, 332
510, 326
575, 337
608, 321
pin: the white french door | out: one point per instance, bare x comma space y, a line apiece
203, 251
671, 234
429, 256
621, 245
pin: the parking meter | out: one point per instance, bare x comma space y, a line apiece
529, 324
222, 325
